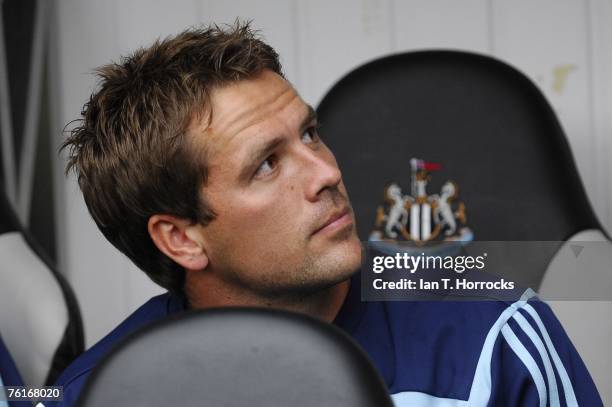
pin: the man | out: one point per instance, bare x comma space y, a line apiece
201, 163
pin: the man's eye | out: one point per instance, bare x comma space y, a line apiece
265, 167
310, 135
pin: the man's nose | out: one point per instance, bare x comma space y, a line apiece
322, 174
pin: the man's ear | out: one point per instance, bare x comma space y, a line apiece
179, 239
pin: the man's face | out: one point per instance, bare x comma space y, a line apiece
284, 222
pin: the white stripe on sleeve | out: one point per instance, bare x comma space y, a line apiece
525, 357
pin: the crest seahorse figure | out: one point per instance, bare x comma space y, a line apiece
398, 214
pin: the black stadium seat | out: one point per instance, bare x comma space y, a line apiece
40, 321
475, 122
236, 357
486, 123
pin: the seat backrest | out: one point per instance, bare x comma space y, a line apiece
486, 123
497, 137
237, 357
40, 320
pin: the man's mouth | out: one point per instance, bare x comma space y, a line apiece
338, 219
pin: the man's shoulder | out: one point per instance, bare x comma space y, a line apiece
465, 331
476, 351
75, 375
477, 317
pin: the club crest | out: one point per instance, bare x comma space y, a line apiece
418, 217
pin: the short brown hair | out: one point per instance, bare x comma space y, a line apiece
130, 150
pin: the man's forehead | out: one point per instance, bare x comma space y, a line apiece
246, 104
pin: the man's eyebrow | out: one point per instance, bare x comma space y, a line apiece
259, 153
263, 150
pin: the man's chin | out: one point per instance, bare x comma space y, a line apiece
321, 269
321, 273
346, 254
341, 262
323, 282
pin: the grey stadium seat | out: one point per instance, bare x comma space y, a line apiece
40, 321
237, 357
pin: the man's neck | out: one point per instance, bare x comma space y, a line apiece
205, 293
